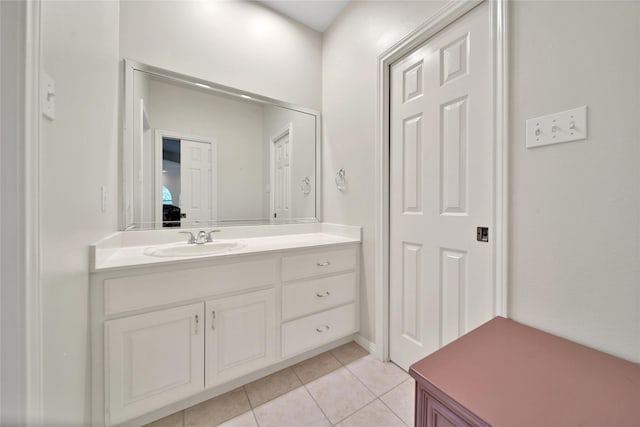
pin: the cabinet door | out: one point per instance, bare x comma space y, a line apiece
152, 360
241, 335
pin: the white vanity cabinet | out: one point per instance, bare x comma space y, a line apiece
241, 335
168, 336
154, 359
318, 298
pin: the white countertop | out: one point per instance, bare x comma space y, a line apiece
123, 252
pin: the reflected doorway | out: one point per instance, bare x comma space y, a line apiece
186, 190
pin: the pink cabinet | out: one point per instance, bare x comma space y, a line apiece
506, 374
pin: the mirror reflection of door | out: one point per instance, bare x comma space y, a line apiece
188, 182
282, 174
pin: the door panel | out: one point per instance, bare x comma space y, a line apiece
282, 168
195, 181
241, 335
154, 359
441, 189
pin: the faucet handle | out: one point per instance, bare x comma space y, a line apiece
209, 238
192, 238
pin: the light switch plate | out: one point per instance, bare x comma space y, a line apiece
567, 126
48, 96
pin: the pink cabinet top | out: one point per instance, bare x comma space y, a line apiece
512, 375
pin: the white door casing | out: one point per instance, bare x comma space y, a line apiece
441, 189
281, 173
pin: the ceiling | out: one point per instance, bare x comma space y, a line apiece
317, 14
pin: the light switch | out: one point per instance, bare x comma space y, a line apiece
567, 126
48, 96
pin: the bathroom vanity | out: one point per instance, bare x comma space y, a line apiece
172, 331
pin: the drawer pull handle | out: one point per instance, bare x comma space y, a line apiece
322, 329
323, 294
323, 263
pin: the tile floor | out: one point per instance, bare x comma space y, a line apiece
344, 387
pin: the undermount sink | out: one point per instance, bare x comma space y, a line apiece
192, 249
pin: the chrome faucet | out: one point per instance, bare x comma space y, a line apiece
203, 237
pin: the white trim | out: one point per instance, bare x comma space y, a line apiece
500, 21
161, 133
31, 215
441, 19
370, 346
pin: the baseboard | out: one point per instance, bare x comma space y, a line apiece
366, 344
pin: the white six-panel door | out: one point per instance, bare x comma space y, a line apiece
441, 189
195, 181
282, 176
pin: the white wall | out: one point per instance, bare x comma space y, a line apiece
303, 156
237, 127
575, 208
79, 155
351, 47
12, 295
235, 43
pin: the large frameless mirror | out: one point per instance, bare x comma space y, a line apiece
198, 154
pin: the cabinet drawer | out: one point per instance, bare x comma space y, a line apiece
301, 298
312, 331
317, 263
150, 290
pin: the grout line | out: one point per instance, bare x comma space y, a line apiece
247, 394
296, 374
254, 417
392, 411
315, 401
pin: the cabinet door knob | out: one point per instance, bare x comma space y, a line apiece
323, 294
323, 263
323, 329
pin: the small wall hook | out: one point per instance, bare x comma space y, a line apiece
341, 180
305, 185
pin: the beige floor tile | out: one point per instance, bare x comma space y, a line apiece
316, 367
173, 420
374, 414
339, 394
349, 352
379, 377
401, 400
245, 420
217, 410
294, 409
272, 386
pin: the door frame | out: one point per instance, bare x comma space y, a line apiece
445, 16
161, 133
286, 130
